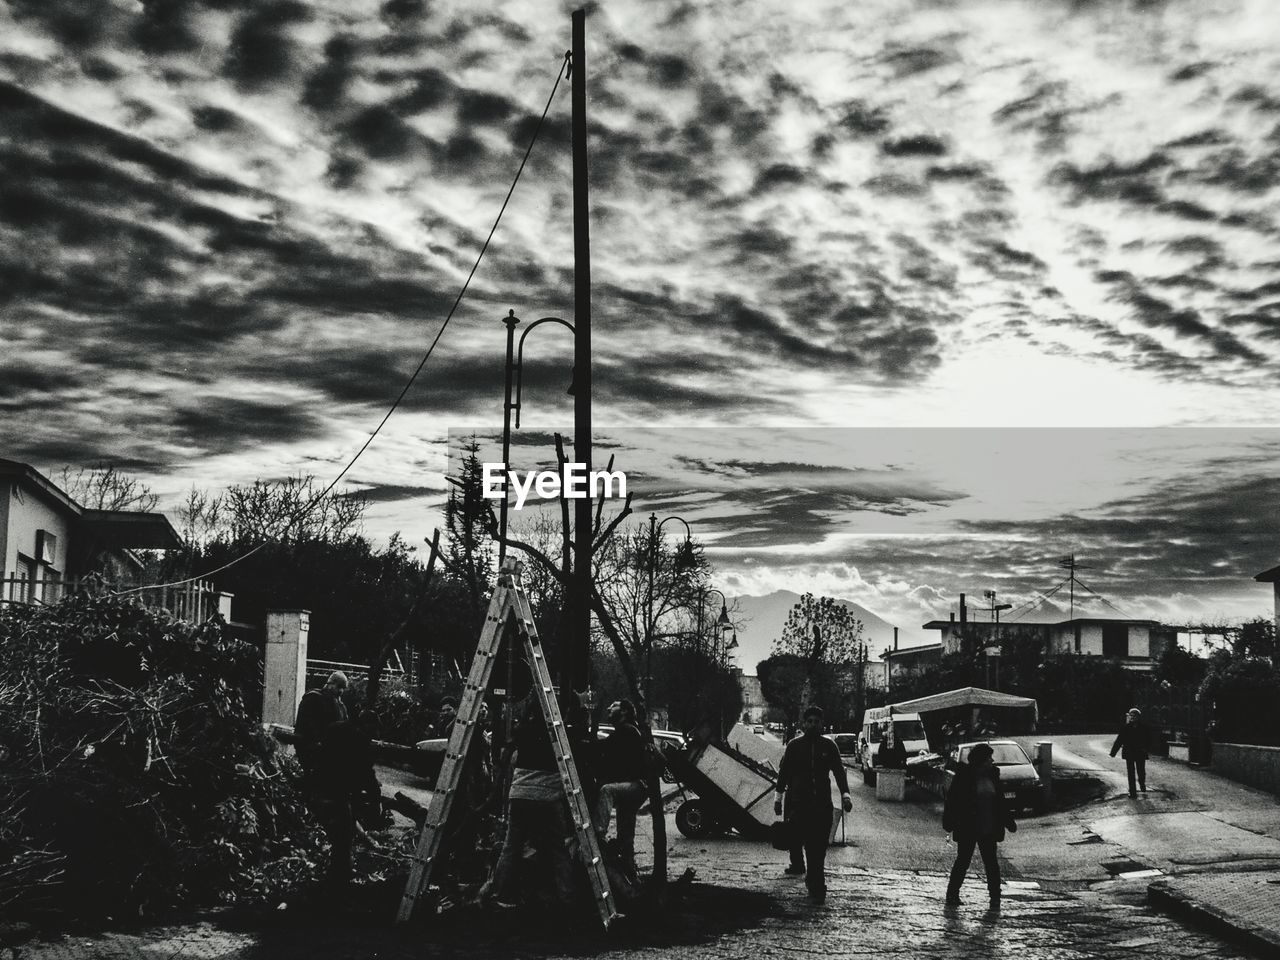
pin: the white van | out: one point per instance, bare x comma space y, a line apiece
876, 721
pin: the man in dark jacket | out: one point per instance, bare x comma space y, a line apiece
317, 712
1133, 742
343, 787
620, 771
975, 814
803, 781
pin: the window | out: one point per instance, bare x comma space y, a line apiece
1115, 640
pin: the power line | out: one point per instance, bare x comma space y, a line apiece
1103, 599
1039, 599
310, 505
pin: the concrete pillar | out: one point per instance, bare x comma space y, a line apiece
1044, 754
284, 674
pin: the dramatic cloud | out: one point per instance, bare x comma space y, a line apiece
231, 231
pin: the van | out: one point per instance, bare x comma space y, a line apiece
876, 722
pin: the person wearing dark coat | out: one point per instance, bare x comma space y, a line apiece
620, 772
344, 787
808, 763
317, 712
975, 814
891, 755
1133, 742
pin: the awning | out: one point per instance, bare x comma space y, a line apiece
131, 530
964, 697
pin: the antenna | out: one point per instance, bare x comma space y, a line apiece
1071, 565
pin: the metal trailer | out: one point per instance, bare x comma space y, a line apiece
733, 792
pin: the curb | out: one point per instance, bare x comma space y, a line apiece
1263, 942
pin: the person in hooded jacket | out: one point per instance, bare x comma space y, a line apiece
976, 815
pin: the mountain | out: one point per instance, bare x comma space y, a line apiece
762, 619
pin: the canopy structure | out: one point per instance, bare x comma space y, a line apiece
964, 697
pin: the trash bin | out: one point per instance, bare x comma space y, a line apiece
891, 785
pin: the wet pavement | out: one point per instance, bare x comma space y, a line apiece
1078, 888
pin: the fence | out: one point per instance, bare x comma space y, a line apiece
196, 601
356, 672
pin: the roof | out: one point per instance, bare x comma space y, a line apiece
127, 529
1268, 576
922, 650
132, 530
964, 697
36, 479
1019, 624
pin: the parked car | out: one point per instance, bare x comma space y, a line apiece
1018, 775
758, 728
847, 744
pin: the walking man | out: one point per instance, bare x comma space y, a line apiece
1133, 742
976, 816
807, 763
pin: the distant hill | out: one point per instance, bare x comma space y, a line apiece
766, 616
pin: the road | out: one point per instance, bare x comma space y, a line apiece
1076, 889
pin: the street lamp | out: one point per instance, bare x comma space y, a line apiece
683, 557
515, 366
995, 640
727, 643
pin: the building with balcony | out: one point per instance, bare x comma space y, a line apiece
50, 544
1137, 644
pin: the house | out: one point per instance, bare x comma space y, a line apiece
907, 661
48, 541
1137, 644
754, 704
1272, 577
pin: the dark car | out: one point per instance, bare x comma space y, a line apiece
1018, 776
847, 744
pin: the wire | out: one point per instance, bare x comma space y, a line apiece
1102, 598
565, 67
1032, 604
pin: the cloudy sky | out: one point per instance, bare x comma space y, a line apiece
846, 243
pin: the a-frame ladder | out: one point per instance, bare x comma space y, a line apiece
508, 609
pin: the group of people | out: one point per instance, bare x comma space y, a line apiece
974, 812
538, 814
336, 757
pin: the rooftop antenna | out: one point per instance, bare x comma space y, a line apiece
1070, 564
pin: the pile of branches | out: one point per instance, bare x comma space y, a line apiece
134, 776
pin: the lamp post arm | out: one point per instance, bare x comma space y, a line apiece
520, 356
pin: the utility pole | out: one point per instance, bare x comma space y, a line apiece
576, 669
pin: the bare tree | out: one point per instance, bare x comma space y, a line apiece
290, 510
103, 487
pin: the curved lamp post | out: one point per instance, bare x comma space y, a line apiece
655, 530
515, 367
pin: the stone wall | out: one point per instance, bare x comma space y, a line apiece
1257, 766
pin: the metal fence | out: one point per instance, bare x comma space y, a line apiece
196, 601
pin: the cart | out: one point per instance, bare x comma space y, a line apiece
732, 791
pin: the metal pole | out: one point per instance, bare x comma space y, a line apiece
510, 320
577, 663
648, 620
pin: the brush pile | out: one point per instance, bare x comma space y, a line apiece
134, 776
